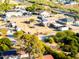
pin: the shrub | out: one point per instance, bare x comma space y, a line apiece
50, 40
31, 19
3, 31
18, 34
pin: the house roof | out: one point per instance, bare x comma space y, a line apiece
44, 13
47, 57
67, 20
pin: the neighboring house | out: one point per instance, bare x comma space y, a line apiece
56, 25
13, 13
76, 23
23, 11
59, 27
65, 1
66, 21
20, 0
44, 14
63, 28
44, 22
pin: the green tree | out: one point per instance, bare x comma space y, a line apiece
35, 7
4, 47
69, 33
32, 20
60, 36
5, 44
50, 40
18, 34
33, 45
3, 31
6, 41
69, 41
74, 51
5, 7
67, 48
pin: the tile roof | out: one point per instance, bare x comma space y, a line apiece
47, 57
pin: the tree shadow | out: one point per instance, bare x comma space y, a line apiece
40, 25
26, 22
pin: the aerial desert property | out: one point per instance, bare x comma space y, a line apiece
39, 29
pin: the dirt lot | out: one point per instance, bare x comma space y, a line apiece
45, 30
25, 27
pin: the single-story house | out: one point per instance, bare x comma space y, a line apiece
76, 23
44, 14
46, 21
23, 11
63, 28
59, 27
66, 21
65, 1
56, 25
13, 13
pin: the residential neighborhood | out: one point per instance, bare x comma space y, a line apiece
39, 29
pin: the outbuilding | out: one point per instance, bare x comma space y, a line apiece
44, 14
66, 21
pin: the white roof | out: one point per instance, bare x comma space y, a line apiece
44, 13
56, 24
77, 22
